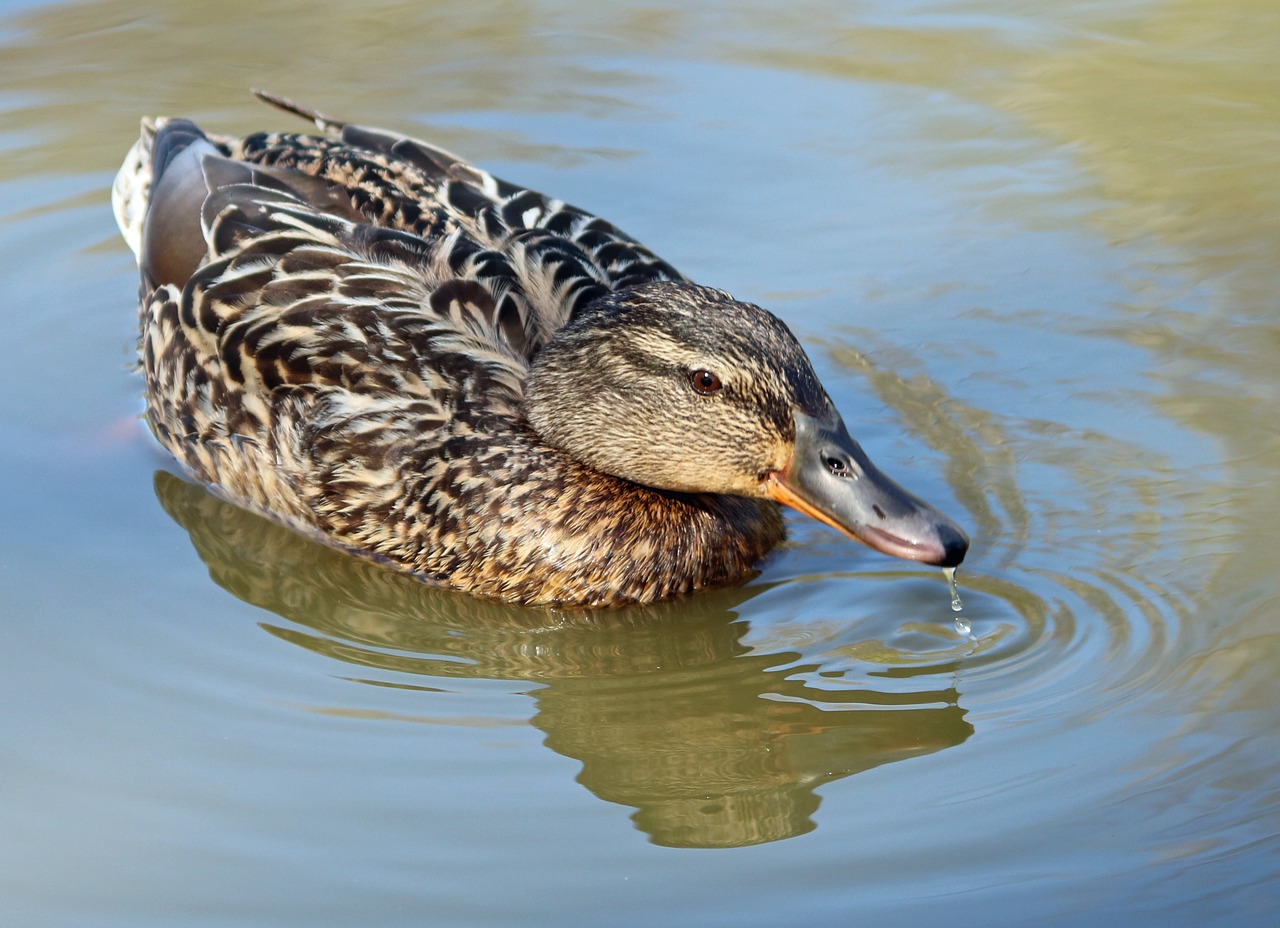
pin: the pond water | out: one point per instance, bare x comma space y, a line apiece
1034, 251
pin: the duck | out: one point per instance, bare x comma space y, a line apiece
387, 348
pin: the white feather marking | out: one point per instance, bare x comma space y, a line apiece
131, 191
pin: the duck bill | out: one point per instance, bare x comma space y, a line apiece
831, 479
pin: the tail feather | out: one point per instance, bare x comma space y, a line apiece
132, 188
173, 243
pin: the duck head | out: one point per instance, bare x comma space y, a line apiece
682, 388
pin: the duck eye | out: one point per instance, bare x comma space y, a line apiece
704, 382
837, 466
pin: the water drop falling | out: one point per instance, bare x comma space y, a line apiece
962, 624
950, 574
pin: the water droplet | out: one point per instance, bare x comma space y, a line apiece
963, 627
950, 574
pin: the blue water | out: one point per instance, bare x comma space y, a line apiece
1030, 249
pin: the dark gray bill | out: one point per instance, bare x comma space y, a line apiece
831, 478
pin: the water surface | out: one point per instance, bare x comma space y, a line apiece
1031, 248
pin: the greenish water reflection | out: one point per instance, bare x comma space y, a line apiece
1033, 247
713, 743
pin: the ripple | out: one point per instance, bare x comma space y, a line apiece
1043, 642
716, 717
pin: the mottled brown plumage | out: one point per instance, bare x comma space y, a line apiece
390, 349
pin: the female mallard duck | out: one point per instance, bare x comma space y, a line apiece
382, 345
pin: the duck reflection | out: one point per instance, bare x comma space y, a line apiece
713, 743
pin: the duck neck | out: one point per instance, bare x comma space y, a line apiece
568, 534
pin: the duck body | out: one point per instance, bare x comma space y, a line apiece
383, 346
